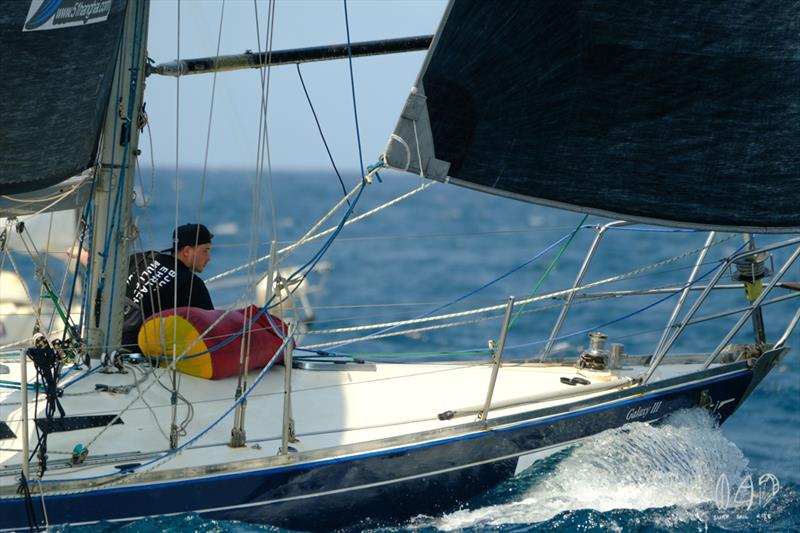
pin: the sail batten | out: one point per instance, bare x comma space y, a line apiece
57, 64
677, 113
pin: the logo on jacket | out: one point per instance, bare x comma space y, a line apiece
54, 14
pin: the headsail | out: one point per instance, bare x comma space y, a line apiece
676, 113
57, 58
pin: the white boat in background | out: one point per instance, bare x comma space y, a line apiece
597, 108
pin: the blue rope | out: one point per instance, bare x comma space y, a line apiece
471, 293
82, 376
566, 335
379, 164
84, 219
621, 318
353, 88
117, 97
87, 279
322, 135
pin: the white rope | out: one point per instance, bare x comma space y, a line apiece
547, 296
44, 209
415, 330
399, 139
44, 507
306, 240
57, 196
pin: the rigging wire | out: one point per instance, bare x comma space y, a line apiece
473, 292
353, 88
560, 337
321, 234
81, 230
633, 313
550, 295
173, 432
204, 175
263, 128
549, 268
321, 134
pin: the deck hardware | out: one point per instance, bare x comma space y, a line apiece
751, 270
127, 466
575, 381
79, 454
596, 357
615, 356
754, 307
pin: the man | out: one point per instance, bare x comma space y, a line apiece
152, 277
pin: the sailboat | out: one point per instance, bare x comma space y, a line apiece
647, 115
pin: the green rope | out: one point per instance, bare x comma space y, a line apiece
549, 268
69, 327
16, 385
399, 354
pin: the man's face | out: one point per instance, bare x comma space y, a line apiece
196, 257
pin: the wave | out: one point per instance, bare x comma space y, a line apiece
638, 467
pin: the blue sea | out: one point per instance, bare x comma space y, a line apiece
448, 249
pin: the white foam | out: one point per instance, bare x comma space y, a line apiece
635, 467
536, 221
225, 228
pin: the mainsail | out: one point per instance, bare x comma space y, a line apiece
676, 113
57, 60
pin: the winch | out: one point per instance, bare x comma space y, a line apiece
596, 357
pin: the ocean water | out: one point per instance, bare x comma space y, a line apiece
445, 243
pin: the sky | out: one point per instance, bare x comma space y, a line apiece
382, 83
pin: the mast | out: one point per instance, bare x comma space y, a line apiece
112, 230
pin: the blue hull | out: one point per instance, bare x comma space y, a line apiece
391, 485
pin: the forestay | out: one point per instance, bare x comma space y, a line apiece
57, 60
677, 113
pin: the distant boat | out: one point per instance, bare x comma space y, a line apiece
676, 114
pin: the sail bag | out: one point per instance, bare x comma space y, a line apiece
216, 354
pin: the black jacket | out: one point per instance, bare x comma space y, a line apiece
150, 288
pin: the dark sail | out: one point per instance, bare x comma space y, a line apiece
57, 62
678, 113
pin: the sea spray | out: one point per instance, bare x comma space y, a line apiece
675, 464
